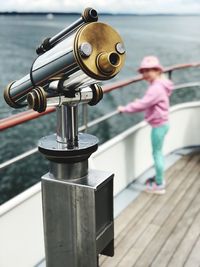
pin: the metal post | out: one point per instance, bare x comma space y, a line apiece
67, 125
76, 227
72, 130
85, 117
61, 124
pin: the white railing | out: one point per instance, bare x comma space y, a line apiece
127, 155
84, 127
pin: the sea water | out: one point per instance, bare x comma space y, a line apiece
174, 39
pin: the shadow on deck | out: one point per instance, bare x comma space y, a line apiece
162, 230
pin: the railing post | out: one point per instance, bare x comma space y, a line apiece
170, 74
85, 117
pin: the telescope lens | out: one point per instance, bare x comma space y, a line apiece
114, 59
93, 13
108, 62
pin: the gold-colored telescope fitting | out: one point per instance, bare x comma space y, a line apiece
8, 99
108, 62
99, 50
37, 99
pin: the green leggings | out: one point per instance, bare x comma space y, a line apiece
157, 139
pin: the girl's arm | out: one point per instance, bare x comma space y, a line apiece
150, 99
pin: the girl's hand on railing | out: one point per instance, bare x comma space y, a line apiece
120, 109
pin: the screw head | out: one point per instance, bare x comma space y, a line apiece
85, 49
120, 48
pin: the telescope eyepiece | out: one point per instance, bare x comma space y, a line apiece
90, 15
114, 59
108, 62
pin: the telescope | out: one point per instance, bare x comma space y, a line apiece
77, 201
85, 52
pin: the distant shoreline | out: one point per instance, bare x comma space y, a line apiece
103, 13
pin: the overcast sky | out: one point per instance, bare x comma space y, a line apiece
131, 6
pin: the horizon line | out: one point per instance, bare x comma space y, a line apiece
100, 13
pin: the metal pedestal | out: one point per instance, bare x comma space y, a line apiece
78, 219
77, 205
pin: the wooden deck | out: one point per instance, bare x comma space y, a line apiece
160, 231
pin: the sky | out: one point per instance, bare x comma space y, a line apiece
113, 6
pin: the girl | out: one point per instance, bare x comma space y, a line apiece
155, 103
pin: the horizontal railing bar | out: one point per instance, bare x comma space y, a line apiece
110, 87
99, 120
18, 158
82, 128
182, 66
186, 85
30, 114
34, 150
22, 117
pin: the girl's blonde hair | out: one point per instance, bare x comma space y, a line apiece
163, 76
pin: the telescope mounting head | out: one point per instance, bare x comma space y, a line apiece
67, 71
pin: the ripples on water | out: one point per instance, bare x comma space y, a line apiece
173, 39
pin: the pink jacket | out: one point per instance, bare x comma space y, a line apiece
155, 103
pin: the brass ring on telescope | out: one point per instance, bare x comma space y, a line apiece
8, 99
37, 99
97, 94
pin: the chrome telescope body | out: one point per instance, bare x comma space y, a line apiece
82, 54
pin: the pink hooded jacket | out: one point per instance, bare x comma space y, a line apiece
155, 103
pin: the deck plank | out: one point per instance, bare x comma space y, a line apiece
187, 196
182, 253
178, 234
194, 257
154, 246
134, 231
132, 214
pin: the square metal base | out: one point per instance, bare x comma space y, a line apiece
78, 219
